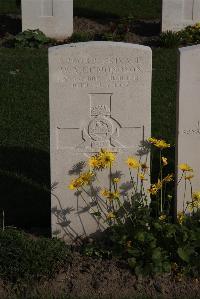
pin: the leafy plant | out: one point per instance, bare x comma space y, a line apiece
191, 34
25, 258
169, 39
81, 37
32, 39
142, 233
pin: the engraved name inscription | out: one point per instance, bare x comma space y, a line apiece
105, 72
192, 131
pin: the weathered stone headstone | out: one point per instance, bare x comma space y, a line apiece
53, 17
177, 14
100, 97
188, 119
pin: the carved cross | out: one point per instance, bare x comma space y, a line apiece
102, 131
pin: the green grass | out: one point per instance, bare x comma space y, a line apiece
150, 9
8, 7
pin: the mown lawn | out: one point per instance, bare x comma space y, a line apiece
150, 9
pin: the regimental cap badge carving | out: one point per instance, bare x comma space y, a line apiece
100, 110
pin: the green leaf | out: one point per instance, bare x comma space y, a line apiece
140, 236
156, 254
132, 262
185, 253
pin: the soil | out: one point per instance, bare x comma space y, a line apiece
113, 278
87, 276
143, 31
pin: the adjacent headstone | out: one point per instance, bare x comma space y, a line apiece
177, 14
53, 17
100, 97
188, 121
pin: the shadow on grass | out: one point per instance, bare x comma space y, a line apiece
147, 28
25, 185
92, 13
9, 25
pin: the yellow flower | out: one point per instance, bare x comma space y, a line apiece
106, 158
86, 177
133, 162
152, 140
189, 177
105, 192
76, 183
142, 177
160, 143
94, 162
162, 217
110, 195
110, 216
181, 217
196, 196
185, 167
164, 161
116, 180
168, 178
153, 190
115, 194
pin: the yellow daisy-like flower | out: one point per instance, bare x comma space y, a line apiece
152, 140
185, 167
160, 143
105, 192
106, 158
142, 177
162, 217
133, 162
181, 217
76, 183
153, 190
164, 161
196, 196
168, 178
116, 180
110, 195
110, 216
94, 162
86, 177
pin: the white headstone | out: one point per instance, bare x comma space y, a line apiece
92, 84
53, 17
188, 144
177, 14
